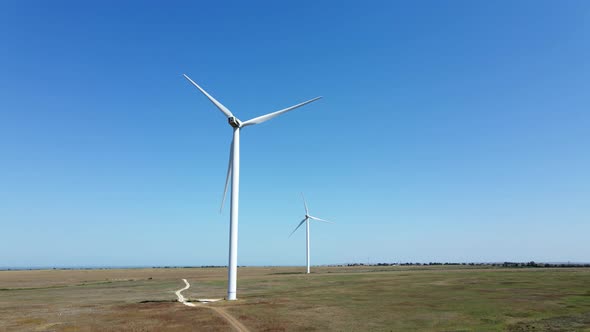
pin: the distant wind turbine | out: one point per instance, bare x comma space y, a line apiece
306, 221
234, 169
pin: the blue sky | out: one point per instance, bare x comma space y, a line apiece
448, 131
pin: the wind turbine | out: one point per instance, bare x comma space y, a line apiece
306, 221
234, 169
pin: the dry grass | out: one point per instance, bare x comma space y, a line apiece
284, 299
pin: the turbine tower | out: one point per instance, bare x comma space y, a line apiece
233, 169
306, 221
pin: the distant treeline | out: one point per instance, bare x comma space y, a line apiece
189, 267
505, 264
109, 268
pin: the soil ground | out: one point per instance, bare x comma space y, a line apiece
437, 298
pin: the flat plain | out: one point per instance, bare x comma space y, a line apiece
391, 298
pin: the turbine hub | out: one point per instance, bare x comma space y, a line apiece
234, 122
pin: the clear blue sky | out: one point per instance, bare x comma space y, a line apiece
448, 131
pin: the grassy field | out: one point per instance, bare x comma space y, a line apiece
283, 299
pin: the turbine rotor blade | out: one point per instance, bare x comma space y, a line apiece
229, 171
219, 105
319, 219
269, 116
305, 204
301, 223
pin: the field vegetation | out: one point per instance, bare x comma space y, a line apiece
356, 298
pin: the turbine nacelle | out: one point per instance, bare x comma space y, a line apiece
234, 122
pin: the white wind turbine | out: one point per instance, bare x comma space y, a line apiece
234, 169
306, 221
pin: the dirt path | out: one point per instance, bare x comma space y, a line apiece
233, 322
181, 298
230, 319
